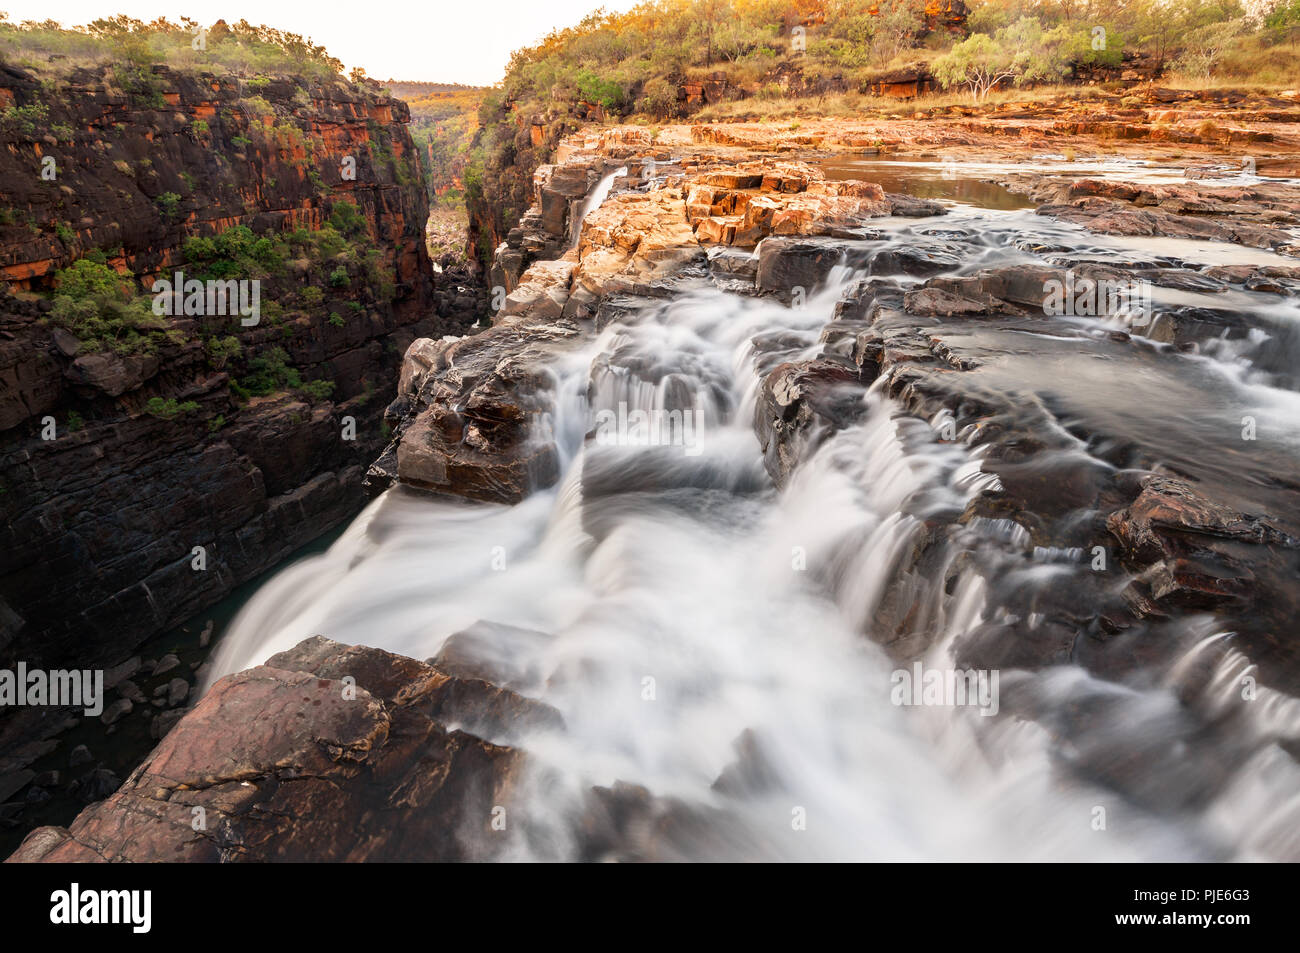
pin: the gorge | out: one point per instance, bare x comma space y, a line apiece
900, 435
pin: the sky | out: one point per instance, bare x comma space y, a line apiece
462, 41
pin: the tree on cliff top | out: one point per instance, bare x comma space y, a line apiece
240, 48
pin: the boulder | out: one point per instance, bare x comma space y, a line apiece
326, 753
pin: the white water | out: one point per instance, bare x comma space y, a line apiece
746, 607
593, 201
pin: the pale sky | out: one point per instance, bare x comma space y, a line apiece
467, 41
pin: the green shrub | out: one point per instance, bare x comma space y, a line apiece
346, 219
169, 409
28, 120
86, 278
317, 391
221, 350
269, 373
169, 203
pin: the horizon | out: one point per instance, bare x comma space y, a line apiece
366, 42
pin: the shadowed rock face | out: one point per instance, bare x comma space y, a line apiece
470, 416
99, 524
1193, 529
325, 753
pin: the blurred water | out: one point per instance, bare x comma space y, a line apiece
689, 614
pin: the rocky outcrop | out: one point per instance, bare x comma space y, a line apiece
1257, 216
1177, 528
136, 486
272, 158
325, 753
472, 415
743, 204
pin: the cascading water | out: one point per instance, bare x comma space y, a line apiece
593, 201
702, 634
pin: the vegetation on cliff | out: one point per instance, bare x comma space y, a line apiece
132, 46
444, 119
261, 154
669, 59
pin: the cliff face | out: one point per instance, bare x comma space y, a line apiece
116, 463
269, 154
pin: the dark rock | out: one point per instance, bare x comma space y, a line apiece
116, 710
326, 753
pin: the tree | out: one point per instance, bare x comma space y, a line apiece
1204, 47
1283, 21
1018, 53
898, 23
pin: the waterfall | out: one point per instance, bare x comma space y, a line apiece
593, 201
729, 647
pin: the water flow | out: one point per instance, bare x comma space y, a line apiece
715, 641
593, 201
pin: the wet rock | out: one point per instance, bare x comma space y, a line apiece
1258, 216
751, 774
115, 711
627, 823
166, 664
801, 404
490, 652
913, 261
470, 414
79, 755
907, 206
177, 691
785, 264
946, 304
131, 691
325, 753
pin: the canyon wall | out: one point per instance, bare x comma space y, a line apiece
117, 462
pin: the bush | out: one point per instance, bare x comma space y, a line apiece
169, 203
85, 279
221, 350
346, 219
317, 391
268, 374
169, 409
